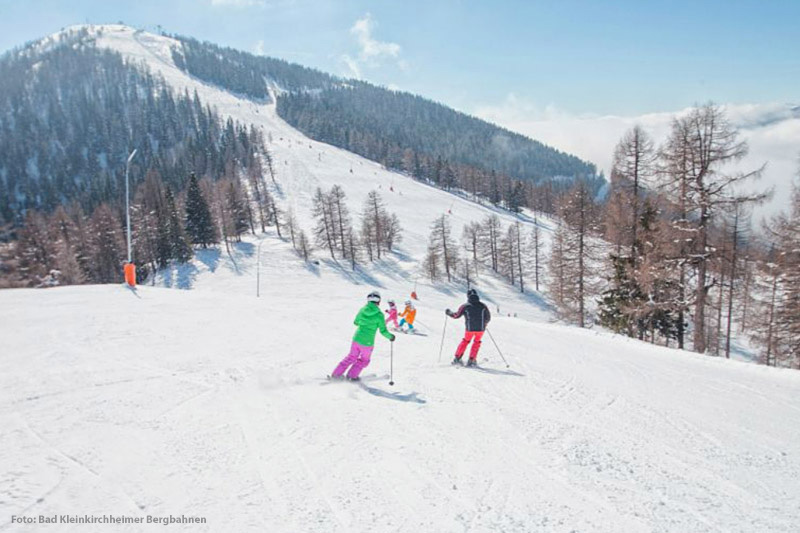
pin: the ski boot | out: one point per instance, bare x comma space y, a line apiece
457, 361
472, 362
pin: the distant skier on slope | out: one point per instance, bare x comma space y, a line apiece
476, 317
407, 317
392, 312
368, 320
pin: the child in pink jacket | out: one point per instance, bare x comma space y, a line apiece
392, 312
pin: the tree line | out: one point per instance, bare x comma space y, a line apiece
245, 73
378, 231
381, 125
69, 247
669, 256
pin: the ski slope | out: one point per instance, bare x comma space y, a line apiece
212, 402
203, 403
302, 165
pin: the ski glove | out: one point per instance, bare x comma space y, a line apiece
391, 339
448, 312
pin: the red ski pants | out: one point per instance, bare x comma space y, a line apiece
475, 337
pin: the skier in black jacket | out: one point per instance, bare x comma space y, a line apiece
477, 317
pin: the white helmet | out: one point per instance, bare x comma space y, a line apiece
408, 302
374, 296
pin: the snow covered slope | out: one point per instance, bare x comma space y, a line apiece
201, 403
302, 165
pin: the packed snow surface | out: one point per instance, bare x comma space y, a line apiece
212, 402
202, 403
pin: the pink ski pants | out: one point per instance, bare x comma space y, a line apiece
356, 360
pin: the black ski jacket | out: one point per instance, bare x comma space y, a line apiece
475, 313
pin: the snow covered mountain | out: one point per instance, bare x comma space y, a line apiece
212, 402
77, 101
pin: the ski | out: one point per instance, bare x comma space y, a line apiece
366, 377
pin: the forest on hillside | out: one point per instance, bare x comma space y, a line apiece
70, 115
378, 123
382, 125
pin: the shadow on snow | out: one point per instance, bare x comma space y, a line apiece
497, 372
411, 397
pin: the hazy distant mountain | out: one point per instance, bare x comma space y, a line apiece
771, 130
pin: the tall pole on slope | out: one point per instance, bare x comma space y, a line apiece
130, 268
128, 200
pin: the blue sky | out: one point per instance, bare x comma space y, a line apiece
580, 57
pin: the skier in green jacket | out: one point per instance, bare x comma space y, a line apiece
369, 320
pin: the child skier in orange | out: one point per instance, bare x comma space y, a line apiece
407, 316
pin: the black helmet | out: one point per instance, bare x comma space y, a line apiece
374, 296
472, 293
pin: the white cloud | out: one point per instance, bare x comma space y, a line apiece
371, 48
771, 130
371, 52
352, 65
239, 3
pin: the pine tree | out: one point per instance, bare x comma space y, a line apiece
557, 269
270, 165
576, 254
495, 195
275, 216
35, 249
148, 235
179, 248
615, 302
516, 197
291, 225
107, 245
441, 246
489, 239
535, 247
393, 233
701, 146
431, 262
786, 231
65, 238
367, 232
237, 210
764, 329
342, 225
199, 223
515, 236
303, 245
324, 229
375, 212
511, 257
632, 169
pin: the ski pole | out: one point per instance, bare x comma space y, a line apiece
391, 363
498, 348
441, 346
